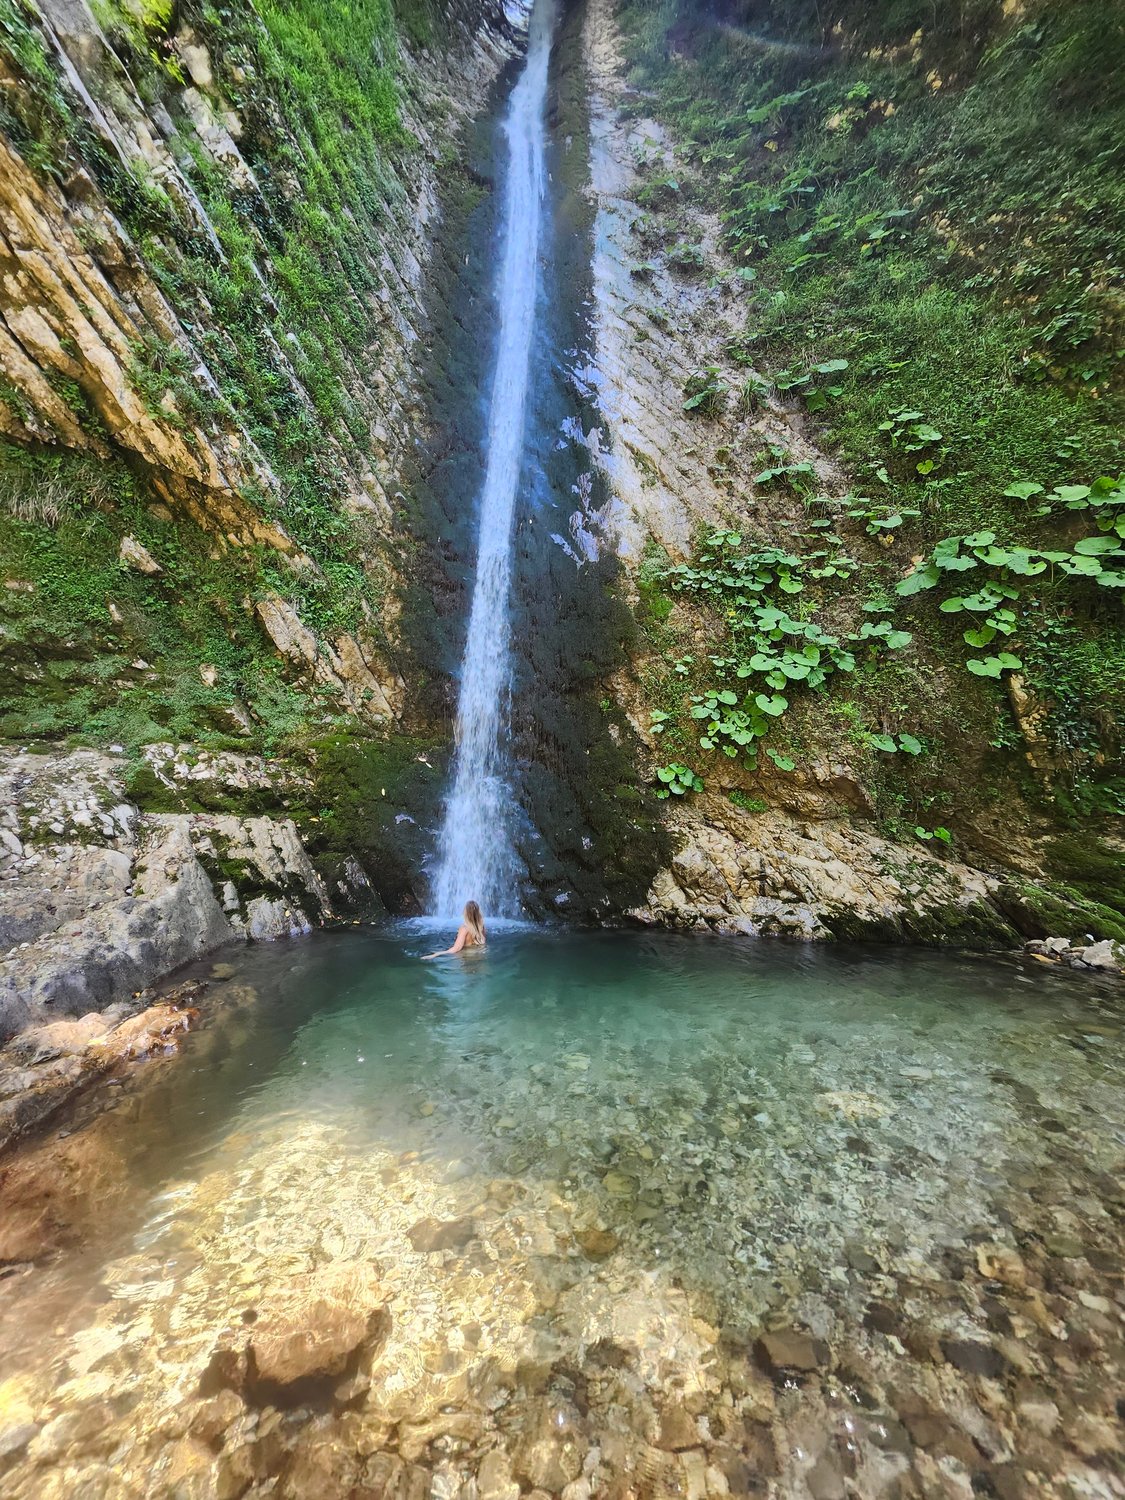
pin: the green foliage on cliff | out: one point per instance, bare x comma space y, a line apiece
97, 651
278, 271
928, 210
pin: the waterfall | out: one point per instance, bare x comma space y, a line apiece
476, 855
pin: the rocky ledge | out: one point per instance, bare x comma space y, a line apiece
773, 873
1106, 957
99, 900
46, 1067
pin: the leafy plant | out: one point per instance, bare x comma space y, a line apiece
890, 744
704, 392
676, 780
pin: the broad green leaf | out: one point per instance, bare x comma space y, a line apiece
986, 599
1081, 567
782, 762
952, 606
982, 637
1023, 489
1094, 546
1025, 564
989, 666
922, 578
1008, 661
882, 742
774, 705
911, 745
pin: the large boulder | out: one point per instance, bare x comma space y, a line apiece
310, 1327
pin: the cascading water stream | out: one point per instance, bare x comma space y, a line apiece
476, 855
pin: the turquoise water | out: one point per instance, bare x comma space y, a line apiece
654, 1145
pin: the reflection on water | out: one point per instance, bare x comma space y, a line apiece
608, 1214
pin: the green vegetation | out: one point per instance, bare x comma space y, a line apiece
926, 211
675, 780
760, 643
277, 279
97, 651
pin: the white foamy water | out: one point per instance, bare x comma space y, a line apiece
476, 856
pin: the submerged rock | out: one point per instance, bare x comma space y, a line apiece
597, 1244
311, 1326
789, 1349
429, 1235
975, 1357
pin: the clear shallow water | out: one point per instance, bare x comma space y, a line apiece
636, 1153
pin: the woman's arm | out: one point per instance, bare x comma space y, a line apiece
462, 935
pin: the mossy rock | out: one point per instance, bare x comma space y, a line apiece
377, 800
1040, 911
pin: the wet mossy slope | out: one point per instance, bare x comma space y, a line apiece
922, 212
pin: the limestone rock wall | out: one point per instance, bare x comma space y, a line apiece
98, 358
798, 854
769, 873
98, 901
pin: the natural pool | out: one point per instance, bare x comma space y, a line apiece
589, 1215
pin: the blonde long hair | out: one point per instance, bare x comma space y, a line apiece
474, 921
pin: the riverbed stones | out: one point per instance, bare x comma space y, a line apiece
790, 1350
678, 1428
310, 1326
975, 1357
430, 1235
550, 1452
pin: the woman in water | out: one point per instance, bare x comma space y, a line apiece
469, 935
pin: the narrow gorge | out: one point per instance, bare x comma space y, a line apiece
653, 468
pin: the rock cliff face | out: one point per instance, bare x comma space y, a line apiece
220, 255
210, 318
242, 294
97, 900
698, 435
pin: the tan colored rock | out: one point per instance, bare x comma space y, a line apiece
551, 1447
790, 1349
60, 315
771, 872
311, 1325
678, 1428
597, 1244
341, 665
494, 1478
133, 555
429, 1235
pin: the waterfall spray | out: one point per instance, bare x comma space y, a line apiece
476, 855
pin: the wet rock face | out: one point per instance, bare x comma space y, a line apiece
98, 901
769, 873
46, 1067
